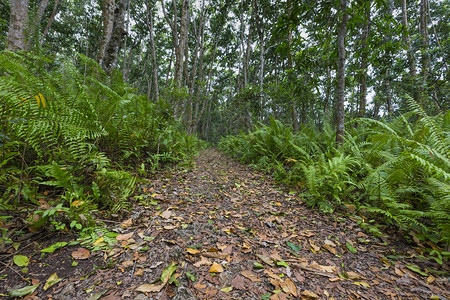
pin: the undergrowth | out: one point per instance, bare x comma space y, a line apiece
71, 136
397, 170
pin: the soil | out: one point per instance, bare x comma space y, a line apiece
217, 229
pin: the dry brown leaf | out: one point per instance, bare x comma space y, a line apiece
329, 248
81, 253
124, 237
265, 259
166, 214
170, 227
199, 286
216, 268
238, 283
250, 275
309, 295
314, 247
288, 286
139, 272
127, 223
275, 255
192, 251
353, 275
328, 269
203, 262
398, 272
150, 288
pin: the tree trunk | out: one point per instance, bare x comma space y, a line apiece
424, 33
108, 23
363, 75
410, 54
153, 52
340, 100
290, 66
50, 21
18, 24
113, 47
35, 23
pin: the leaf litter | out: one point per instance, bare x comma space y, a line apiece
221, 230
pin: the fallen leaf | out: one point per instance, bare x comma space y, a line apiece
416, 269
250, 275
314, 247
81, 253
51, 281
328, 269
203, 262
124, 237
294, 247
199, 286
21, 260
139, 272
227, 289
289, 287
430, 279
150, 288
238, 283
265, 259
170, 227
309, 295
329, 248
361, 283
166, 214
127, 223
23, 291
192, 251
353, 275
351, 248
216, 268
99, 241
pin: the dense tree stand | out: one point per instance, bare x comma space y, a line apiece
221, 230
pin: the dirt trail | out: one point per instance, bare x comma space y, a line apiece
260, 240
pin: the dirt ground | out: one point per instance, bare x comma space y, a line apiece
220, 230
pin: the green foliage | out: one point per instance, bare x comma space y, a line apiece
66, 125
399, 170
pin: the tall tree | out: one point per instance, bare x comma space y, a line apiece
340, 100
18, 24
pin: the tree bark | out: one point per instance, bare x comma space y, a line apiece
50, 21
108, 23
410, 54
364, 65
424, 33
18, 25
340, 100
113, 47
33, 35
153, 51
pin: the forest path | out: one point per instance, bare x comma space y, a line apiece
221, 230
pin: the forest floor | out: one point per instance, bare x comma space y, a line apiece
218, 229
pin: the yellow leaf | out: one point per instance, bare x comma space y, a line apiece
353, 275
362, 283
430, 279
309, 295
192, 251
38, 100
42, 100
216, 268
77, 203
51, 281
154, 195
98, 241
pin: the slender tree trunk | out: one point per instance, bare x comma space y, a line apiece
410, 54
364, 65
18, 25
50, 21
290, 66
340, 101
35, 23
149, 20
424, 33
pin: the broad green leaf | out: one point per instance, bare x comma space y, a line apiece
258, 265
54, 247
283, 264
21, 260
294, 247
190, 276
51, 281
416, 269
23, 291
351, 248
169, 271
